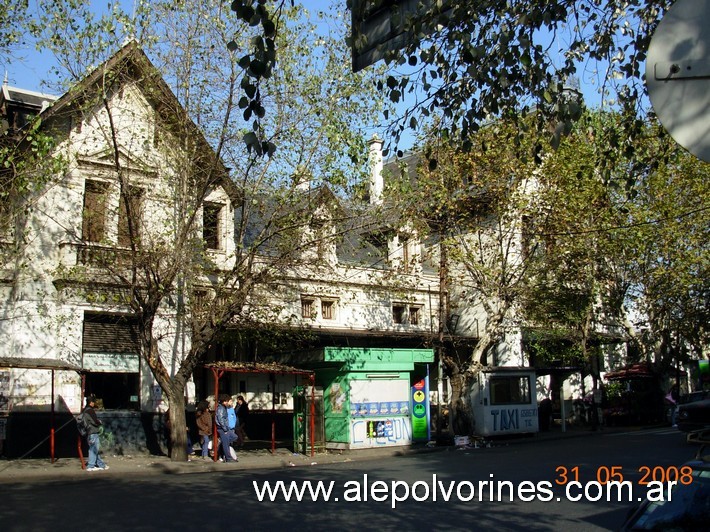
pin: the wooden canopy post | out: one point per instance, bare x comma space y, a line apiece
81, 408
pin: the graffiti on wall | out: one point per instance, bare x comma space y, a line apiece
513, 418
378, 432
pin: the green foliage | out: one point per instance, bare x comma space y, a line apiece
553, 347
27, 164
496, 58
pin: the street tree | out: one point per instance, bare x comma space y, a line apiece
543, 240
571, 310
473, 204
608, 243
664, 259
200, 122
470, 61
466, 62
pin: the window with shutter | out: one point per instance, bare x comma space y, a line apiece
94, 216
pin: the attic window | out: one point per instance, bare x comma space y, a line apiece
211, 218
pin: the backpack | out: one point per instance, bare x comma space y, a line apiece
81, 425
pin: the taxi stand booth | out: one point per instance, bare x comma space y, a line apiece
504, 401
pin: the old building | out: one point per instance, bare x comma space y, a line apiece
363, 298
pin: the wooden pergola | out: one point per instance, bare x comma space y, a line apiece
52, 365
272, 369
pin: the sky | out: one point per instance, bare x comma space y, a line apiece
30, 67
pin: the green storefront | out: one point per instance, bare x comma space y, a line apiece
367, 394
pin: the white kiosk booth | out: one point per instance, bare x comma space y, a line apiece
504, 401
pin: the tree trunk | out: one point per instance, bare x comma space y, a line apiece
461, 416
177, 425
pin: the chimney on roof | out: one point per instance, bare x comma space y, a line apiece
302, 179
376, 179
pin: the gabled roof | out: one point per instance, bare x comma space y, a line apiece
131, 63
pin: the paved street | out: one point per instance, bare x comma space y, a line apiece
226, 497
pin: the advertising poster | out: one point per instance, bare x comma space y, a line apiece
420, 410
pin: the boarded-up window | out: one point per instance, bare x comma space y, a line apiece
94, 216
130, 205
211, 216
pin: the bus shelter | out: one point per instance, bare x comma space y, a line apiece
273, 370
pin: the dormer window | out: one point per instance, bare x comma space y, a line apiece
211, 225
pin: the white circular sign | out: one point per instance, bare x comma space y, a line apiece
678, 75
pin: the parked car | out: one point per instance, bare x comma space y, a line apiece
694, 415
692, 397
688, 507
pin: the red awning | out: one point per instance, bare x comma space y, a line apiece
640, 370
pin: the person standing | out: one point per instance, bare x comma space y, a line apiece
204, 426
544, 412
242, 414
232, 416
226, 435
93, 429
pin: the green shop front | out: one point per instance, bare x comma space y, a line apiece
373, 397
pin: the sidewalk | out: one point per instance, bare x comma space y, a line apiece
40, 469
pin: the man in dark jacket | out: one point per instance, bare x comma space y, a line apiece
226, 435
93, 428
242, 414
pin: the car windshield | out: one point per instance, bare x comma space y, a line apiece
687, 509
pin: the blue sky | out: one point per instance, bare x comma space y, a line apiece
31, 67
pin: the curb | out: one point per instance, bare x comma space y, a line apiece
41, 470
